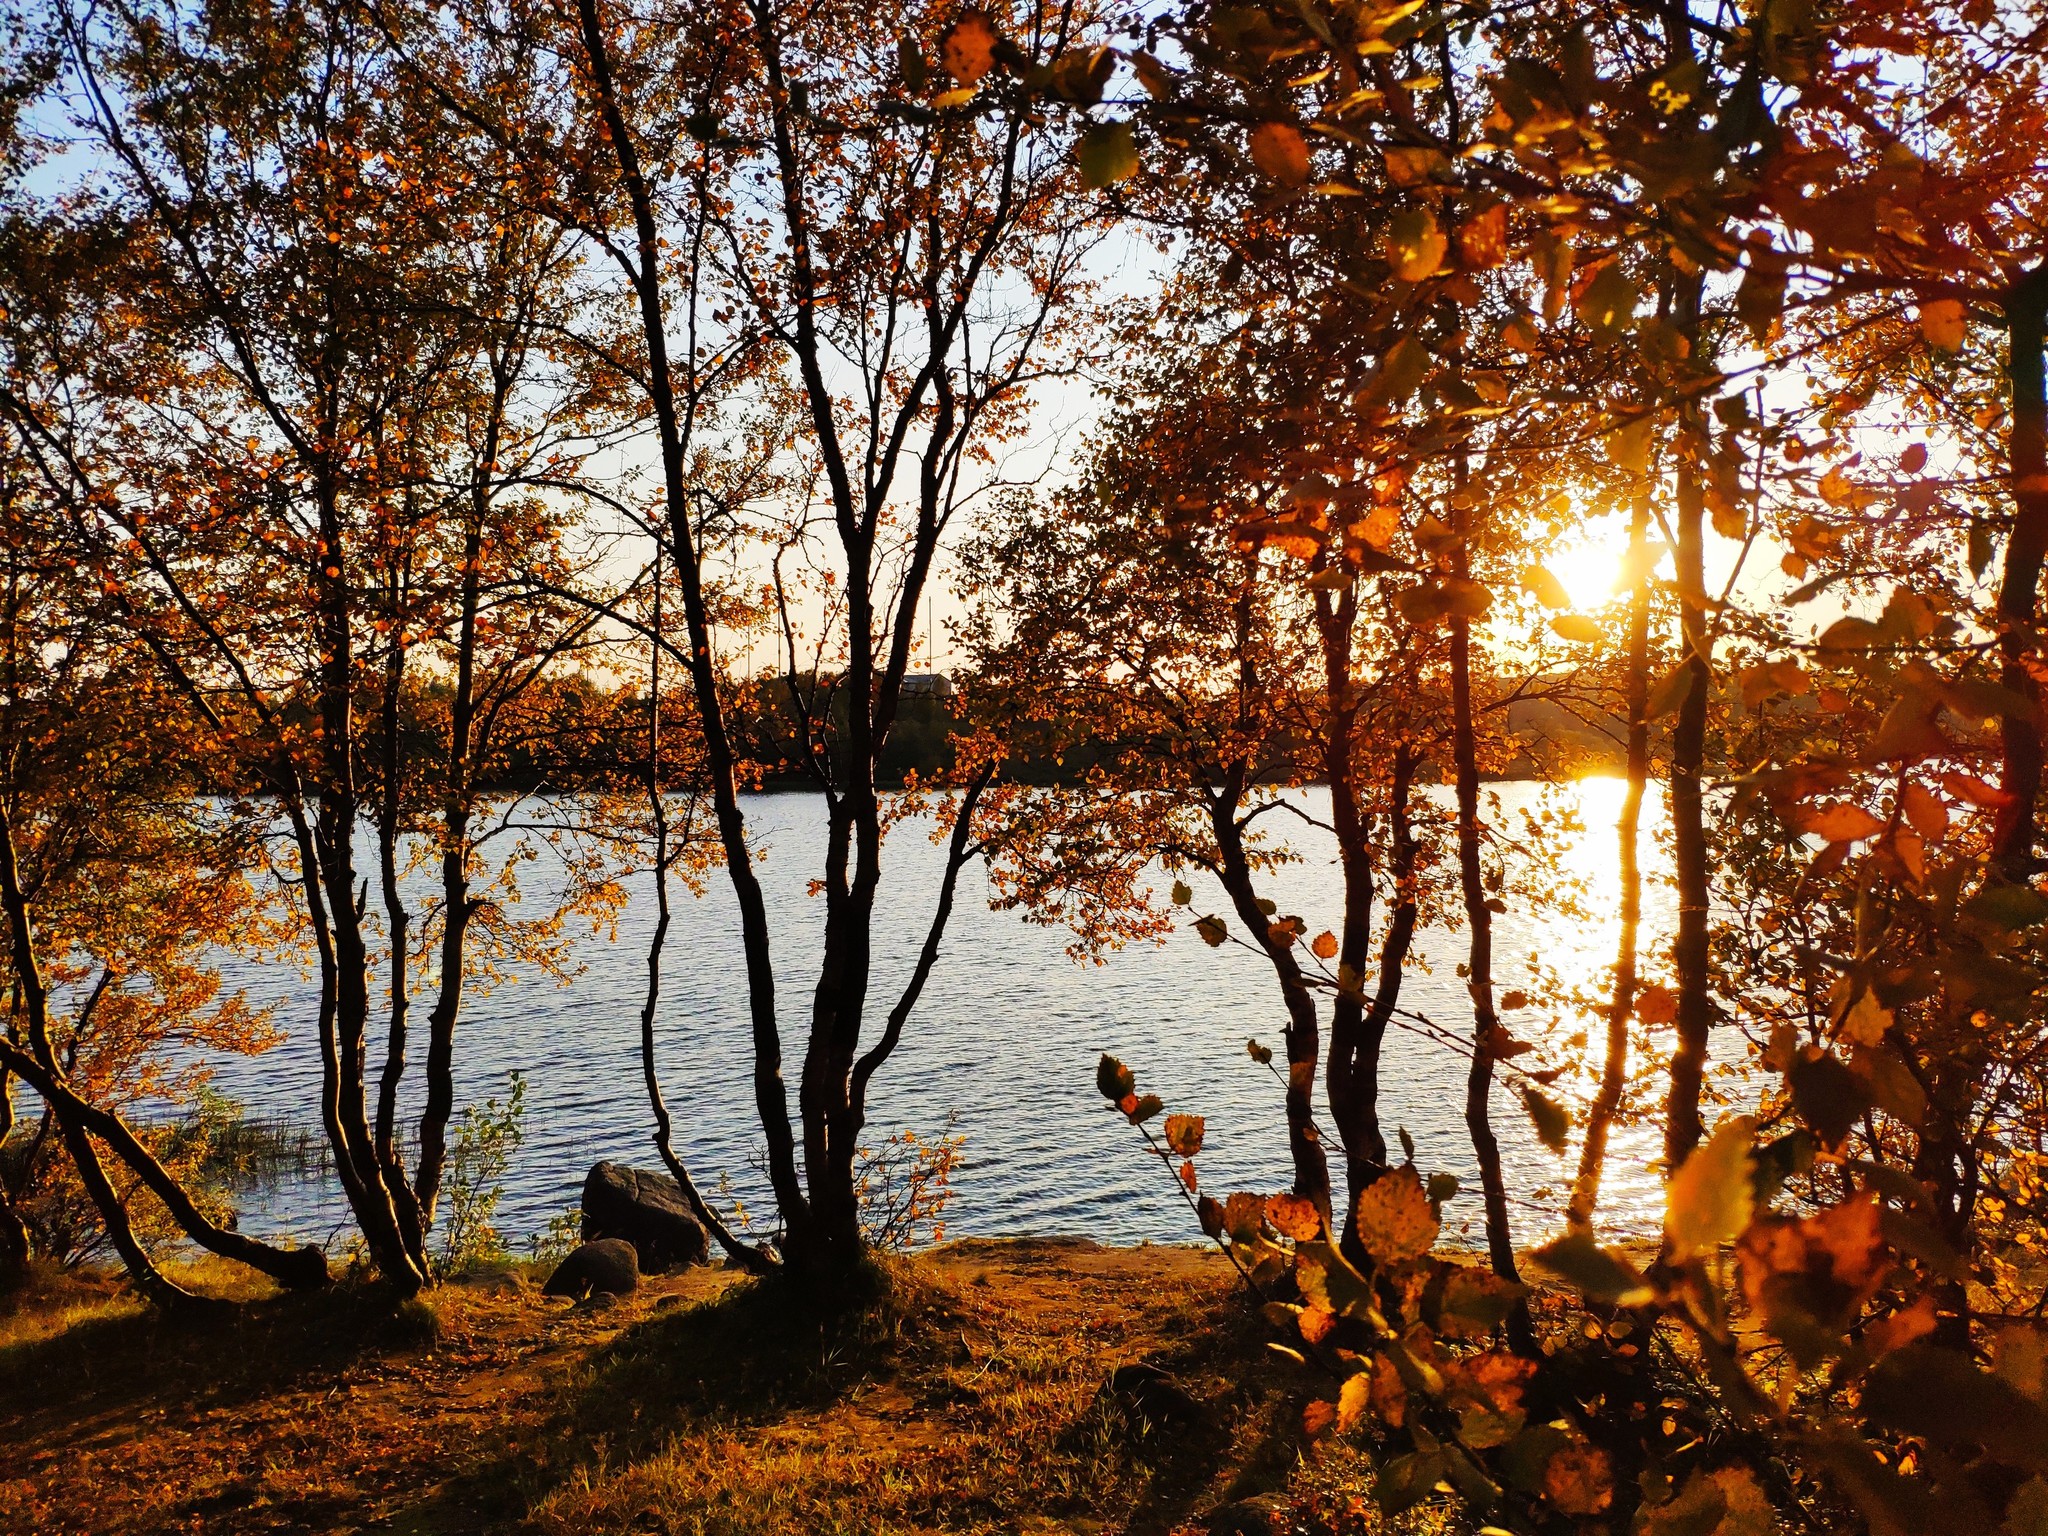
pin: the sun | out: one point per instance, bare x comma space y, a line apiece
1591, 562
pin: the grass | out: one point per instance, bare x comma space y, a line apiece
961, 1392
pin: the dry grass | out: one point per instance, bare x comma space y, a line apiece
960, 1392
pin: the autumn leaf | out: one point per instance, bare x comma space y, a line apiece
1546, 588
1709, 1200
1325, 946
1838, 822
1656, 1004
1107, 154
1394, 1219
1354, 1401
1944, 324
1294, 1216
1113, 1079
1415, 245
1866, 1021
1212, 930
1553, 1123
968, 48
1281, 152
1577, 1480
1184, 1134
1483, 238
1578, 629
1318, 1419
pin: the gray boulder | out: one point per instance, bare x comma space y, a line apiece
604, 1268
646, 1210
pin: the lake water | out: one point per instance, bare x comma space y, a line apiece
1004, 1044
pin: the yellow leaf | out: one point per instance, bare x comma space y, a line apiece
1548, 590
1325, 945
1376, 528
1281, 152
1866, 1021
1709, 1201
1578, 629
1943, 322
1656, 1005
1394, 1219
1483, 238
1923, 808
1354, 1401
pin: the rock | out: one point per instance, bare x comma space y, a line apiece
607, 1267
646, 1210
1153, 1394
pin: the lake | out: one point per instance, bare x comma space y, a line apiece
1003, 1045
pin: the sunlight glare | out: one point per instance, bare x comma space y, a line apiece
1592, 560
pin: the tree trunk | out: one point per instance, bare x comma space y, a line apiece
345, 969
2026, 309
1613, 1072
1303, 1038
78, 1121
390, 828
745, 1254
771, 1098
15, 1247
1352, 1077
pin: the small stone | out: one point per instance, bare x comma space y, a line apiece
607, 1267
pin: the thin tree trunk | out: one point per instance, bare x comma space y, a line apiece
771, 1099
15, 1247
390, 822
1399, 937
345, 1002
456, 906
746, 1254
1352, 1076
1303, 1037
1613, 1072
1683, 1125
1500, 1244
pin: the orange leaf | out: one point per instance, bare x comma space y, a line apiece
1294, 1216
1281, 152
1944, 323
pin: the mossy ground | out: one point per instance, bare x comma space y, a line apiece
961, 1391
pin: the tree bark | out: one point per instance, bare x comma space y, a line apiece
749, 1257
2013, 833
771, 1099
1614, 1070
1351, 1081
1690, 954
1304, 1033
15, 1246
